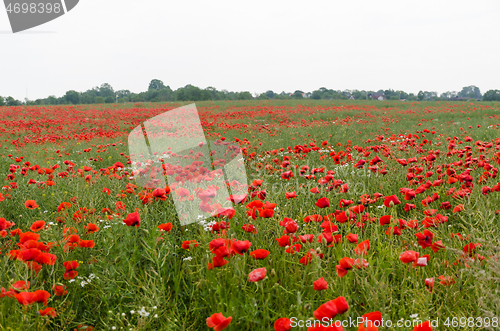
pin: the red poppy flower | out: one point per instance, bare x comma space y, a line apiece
327, 310
291, 195
362, 248
429, 283
249, 228
446, 280
46, 258
240, 247
386, 219
3, 224
70, 265
228, 213
320, 284
218, 322
436, 246
307, 258
352, 238
86, 243
41, 296
25, 298
314, 218
74, 238
344, 188
425, 326
283, 241
409, 206
293, 249
59, 290
323, 202
259, 254
391, 201
402, 162
372, 319
471, 248
458, 208
91, 228
23, 237
409, 256
236, 199
217, 262
133, 219
424, 238
257, 274
291, 227
329, 227
37, 226
47, 312
345, 203
331, 308
187, 244
165, 227
306, 238
357, 209
30, 204
287, 175
282, 324
21, 285
341, 304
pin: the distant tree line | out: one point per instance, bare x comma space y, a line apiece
158, 92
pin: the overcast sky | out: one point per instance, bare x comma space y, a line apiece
256, 46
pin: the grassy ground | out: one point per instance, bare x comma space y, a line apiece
140, 278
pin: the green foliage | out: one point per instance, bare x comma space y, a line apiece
492, 95
156, 84
72, 97
158, 92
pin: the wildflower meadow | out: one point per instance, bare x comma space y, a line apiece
356, 215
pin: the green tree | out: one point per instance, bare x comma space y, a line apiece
270, 94
470, 92
2, 102
420, 95
72, 97
99, 99
156, 84
10, 101
492, 95
52, 100
106, 91
297, 94
316, 95
165, 94
244, 96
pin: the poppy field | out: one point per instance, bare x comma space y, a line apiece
372, 212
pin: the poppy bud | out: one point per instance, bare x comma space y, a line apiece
318, 250
324, 241
273, 273
391, 203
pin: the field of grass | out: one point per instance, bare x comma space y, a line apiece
417, 181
